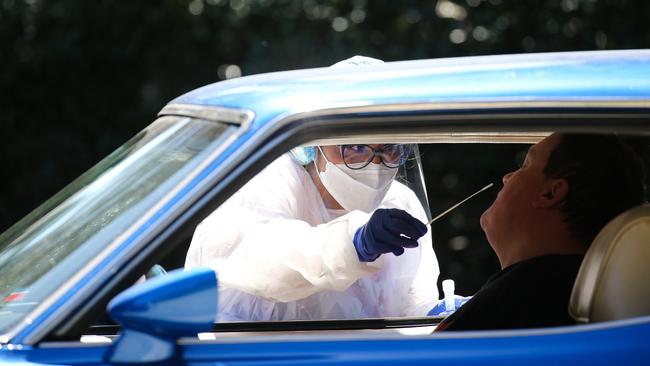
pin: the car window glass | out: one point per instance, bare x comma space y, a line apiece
53, 243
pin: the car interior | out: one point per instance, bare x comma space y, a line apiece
611, 283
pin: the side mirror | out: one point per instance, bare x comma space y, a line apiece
155, 314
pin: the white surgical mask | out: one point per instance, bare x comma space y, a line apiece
361, 189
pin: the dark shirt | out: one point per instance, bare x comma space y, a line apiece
531, 293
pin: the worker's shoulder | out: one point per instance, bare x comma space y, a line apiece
281, 171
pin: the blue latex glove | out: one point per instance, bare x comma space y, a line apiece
441, 310
387, 231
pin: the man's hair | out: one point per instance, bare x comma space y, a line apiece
605, 176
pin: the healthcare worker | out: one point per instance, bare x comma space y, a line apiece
322, 233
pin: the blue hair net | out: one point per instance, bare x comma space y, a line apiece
303, 155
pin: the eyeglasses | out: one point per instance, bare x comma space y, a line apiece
359, 156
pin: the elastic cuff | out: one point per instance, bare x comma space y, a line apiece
363, 255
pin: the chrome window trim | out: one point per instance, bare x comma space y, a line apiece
439, 137
450, 107
210, 113
75, 344
336, 336
363, 334
41, 329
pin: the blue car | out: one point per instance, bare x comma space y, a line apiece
75, 281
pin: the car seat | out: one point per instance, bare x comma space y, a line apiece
613, 281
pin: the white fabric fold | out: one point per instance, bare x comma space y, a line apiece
278, 256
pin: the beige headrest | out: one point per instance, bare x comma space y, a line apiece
614, 279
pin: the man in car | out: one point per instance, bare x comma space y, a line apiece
541, 224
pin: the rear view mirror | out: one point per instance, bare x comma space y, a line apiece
155, 314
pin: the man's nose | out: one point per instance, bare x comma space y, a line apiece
506, 178
376, 159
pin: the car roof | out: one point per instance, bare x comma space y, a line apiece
566, 76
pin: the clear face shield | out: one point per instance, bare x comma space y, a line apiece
411, 175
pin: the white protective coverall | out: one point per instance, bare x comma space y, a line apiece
280, 254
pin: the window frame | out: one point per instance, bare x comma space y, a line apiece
377, 124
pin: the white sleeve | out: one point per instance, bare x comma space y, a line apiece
255, 245
286, 260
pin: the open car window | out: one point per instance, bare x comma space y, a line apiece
446, 172
438, 175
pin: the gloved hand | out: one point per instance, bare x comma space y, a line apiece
441, 310
387, 231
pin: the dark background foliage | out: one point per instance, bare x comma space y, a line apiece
78, 78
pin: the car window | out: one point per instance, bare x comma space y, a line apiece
49, 246
439, 175
435, 177
450, 173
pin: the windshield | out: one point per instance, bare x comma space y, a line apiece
50, 245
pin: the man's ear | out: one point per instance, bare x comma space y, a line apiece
554, 193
